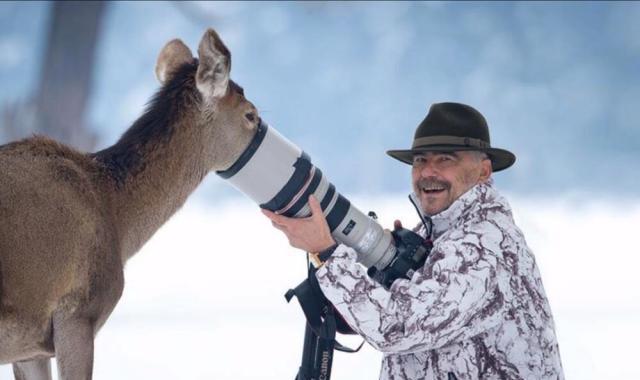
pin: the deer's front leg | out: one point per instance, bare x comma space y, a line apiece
73, 342
38, 369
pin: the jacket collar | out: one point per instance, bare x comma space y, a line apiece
460, 209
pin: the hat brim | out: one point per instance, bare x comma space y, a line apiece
500, 158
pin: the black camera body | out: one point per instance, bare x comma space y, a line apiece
411, 253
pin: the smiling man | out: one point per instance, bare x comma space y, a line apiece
477, 308
441, 177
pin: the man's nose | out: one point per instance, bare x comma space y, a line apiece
428, 169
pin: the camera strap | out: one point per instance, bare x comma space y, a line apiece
323, 321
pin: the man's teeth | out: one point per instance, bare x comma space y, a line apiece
433, 188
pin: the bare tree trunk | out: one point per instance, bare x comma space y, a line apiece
66, 74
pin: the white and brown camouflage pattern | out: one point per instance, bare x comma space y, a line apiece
476, 310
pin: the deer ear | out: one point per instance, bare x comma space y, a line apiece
173, 55
212, 78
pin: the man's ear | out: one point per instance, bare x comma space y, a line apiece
485, 170
173, 55
212, 78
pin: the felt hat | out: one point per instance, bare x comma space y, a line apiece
452, 127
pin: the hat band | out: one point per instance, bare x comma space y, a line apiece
450, 140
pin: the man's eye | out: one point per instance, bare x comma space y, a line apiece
250, 116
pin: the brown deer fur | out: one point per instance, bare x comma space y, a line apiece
69, 220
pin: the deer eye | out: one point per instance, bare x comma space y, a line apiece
250, 116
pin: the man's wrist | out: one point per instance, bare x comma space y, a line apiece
326, 253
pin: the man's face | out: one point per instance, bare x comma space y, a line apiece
439, 178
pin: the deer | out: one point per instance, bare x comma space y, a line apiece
70, 220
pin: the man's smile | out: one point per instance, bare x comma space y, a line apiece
432, 187
433, 190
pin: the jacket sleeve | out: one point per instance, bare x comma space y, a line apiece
453, 297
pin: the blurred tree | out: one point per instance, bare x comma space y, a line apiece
65, 83
59, 105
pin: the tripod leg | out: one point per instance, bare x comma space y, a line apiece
308, 354
317, 353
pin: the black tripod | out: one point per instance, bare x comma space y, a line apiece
317, 355
320, 330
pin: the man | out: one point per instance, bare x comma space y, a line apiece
477, 308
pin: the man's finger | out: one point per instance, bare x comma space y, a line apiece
267, 213
273, 216
316, 209
279, 226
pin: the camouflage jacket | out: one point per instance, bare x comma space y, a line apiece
476, 309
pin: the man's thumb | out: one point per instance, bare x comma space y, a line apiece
315, 206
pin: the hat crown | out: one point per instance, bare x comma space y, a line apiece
453, 119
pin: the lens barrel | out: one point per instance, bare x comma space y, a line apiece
280, 177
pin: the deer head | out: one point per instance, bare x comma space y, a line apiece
218, 113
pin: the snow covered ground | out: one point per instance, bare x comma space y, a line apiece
204, 298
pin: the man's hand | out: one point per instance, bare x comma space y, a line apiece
310, 234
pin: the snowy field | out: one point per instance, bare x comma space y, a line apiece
204, 298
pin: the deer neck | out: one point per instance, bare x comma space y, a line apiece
167, 172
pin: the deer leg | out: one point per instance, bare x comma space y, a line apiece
73, 342
37, 369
